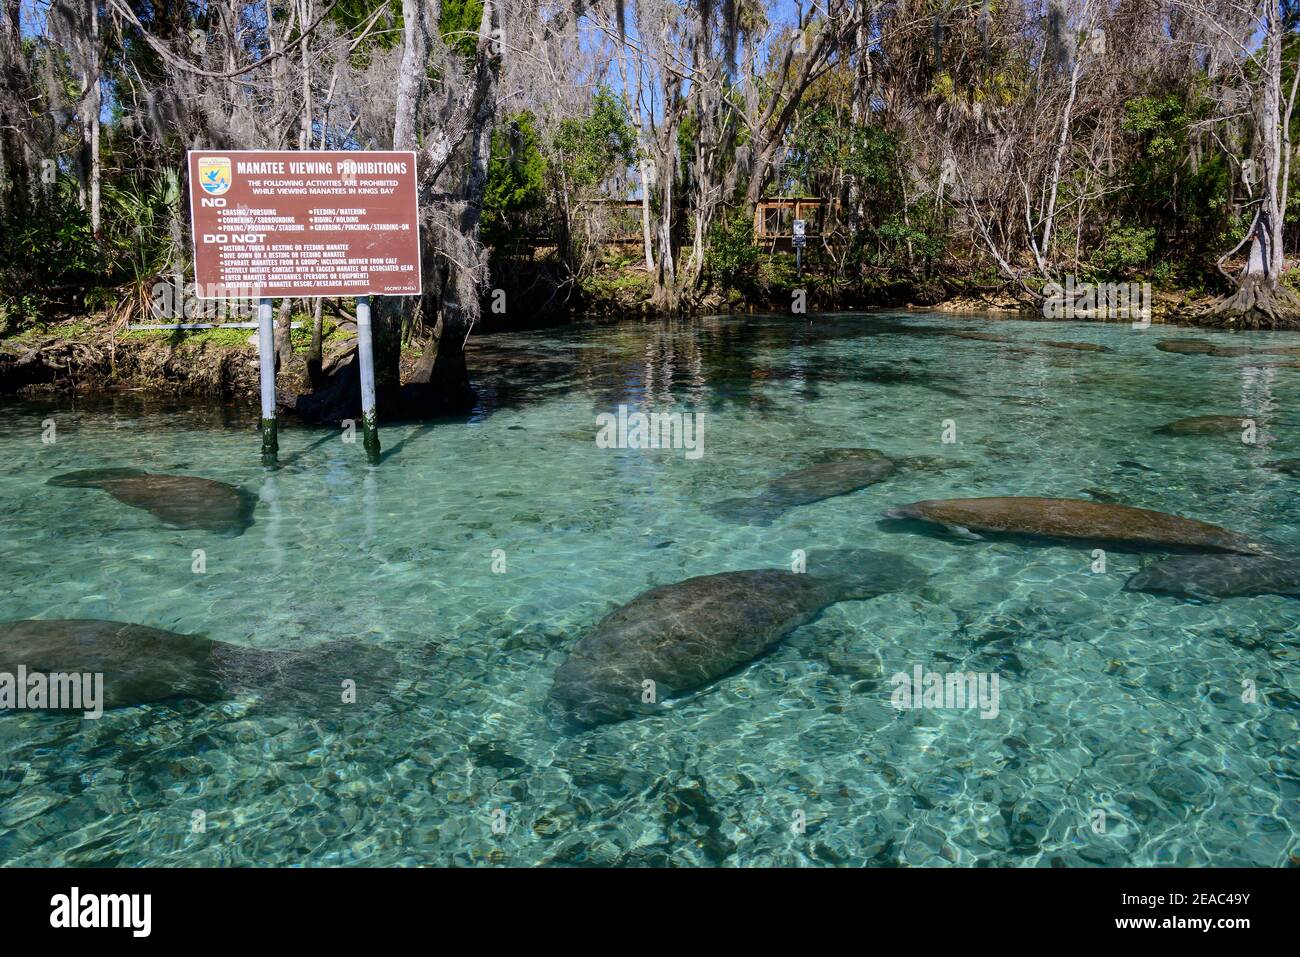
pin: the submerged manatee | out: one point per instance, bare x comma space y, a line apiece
931, 463
1219, 576
1289, 466
1204, 347
1073, 519
142, 665
1203, 425
902, 375
1100, 494
1076, 346
181, 501
1024, 342
980, 336
685, 635
840, 472
1189, 347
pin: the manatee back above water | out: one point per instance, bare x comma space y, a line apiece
142, 665
1076, 520
841, 472
181, 501
685, 635
1219, 576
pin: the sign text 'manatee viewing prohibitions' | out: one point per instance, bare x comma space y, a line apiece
302, 223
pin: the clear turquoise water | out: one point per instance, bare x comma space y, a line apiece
1124, 702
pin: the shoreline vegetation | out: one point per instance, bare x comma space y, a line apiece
642, 157
82, 355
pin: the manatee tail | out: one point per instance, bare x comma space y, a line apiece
331, 679
860, 573
92, 478
745, 511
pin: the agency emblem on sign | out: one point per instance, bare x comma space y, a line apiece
214, 174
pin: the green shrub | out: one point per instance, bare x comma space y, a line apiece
1126, 249
732, 259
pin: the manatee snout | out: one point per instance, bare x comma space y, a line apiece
566, 715
612, 686
1151, 579
581, 696
744, 511
901, 512
895, 573
572, 717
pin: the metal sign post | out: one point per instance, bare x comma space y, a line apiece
266, 357
366, 356
306, 224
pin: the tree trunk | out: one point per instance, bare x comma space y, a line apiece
89, 165
647, 233
283, 331
314, 353
1261, 301
95, 106
666, 295
440, 380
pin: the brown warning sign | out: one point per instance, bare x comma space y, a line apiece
303, 223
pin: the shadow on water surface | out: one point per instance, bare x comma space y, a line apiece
712, 363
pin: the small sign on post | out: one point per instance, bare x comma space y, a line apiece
269, 223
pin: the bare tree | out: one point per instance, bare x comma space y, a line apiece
1261, 300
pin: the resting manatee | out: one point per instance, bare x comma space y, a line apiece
1100, 494
1219, 576
1130, 464
842, 471
980, 336
1272, 350
1203, 425
1076, 346
142, 665
901, 375
1049, 343
1073, 520
931, 463
1289, 466
685, 635
181, 501
1186, 346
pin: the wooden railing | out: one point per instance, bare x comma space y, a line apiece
774, 218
